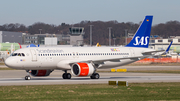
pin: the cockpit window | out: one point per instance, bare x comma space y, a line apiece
22, 54
14, 54
17, 54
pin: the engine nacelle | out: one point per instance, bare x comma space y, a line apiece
82, 69
41, 72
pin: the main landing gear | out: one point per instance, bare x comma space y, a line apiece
66, 75
95, 76
27, 77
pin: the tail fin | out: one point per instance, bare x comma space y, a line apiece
142, 35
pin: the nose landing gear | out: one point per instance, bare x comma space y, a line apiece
28, 77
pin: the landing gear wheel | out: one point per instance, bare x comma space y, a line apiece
66, 76
27, 77
95, 76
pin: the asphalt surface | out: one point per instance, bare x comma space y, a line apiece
16, 77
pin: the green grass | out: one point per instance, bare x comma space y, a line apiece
5, 68
94, 92
2, 63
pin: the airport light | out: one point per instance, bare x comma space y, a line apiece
90, 35
114, 41
126, 30
110, 36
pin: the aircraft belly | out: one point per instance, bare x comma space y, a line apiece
39, 66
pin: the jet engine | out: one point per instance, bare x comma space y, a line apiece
40, 72
82, 69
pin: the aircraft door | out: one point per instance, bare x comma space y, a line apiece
34, 56
132, 52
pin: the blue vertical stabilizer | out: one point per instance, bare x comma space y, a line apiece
142, 35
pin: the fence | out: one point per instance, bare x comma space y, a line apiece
174, 59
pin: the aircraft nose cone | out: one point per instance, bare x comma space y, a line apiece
9, 62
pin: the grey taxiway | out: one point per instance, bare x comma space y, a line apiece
16, 77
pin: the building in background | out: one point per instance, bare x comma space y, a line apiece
11, 37
76, 36
158, 43
7, 48
50, 41
36, 38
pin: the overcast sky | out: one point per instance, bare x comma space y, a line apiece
28, 12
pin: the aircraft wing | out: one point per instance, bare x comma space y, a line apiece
152, 52
101, 61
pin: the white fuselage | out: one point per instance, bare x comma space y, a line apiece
37, 58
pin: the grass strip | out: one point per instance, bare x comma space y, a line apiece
95, 92
5, 68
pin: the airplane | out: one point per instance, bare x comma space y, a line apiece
82, 61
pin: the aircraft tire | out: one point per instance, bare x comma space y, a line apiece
64, 75
95, 76
92, 77
27, 77
68, 76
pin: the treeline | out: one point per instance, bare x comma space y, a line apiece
100, 30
